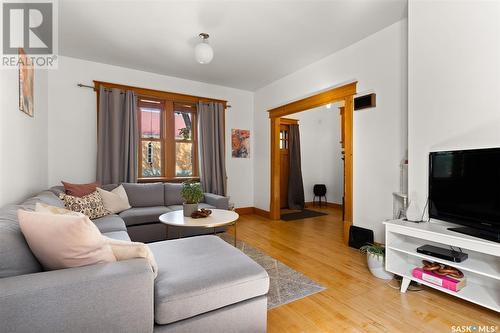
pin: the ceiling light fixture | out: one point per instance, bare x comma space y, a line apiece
329, 105
203, 52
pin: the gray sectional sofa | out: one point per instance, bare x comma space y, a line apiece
148, 202
203, 283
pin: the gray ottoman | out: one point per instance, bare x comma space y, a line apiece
201, 274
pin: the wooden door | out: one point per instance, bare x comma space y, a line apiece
284, 165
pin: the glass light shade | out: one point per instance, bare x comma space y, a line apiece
203, 53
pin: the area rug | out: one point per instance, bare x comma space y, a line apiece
286, 285
304, 214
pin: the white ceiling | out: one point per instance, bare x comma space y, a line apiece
255, 42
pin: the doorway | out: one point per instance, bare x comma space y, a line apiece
321, 167
344, 94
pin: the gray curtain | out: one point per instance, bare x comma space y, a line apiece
295, 184
118, 137
211, 147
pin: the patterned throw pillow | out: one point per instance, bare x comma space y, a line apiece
91, 205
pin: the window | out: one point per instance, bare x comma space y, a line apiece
283, 138
168, 147
151, 138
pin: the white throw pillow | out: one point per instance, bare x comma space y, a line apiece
115, 201
124, 250
44, 208
63, 240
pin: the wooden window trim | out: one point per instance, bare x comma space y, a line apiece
168, 140
167, 179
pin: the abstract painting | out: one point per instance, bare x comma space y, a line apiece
240, 143
26, 77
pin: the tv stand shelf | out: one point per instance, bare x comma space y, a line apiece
482, 268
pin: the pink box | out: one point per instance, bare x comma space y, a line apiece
440, 280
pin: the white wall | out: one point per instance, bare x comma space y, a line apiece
72, 120
320, 152
23, 139
378, 63
454, 82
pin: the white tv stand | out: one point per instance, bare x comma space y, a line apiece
482, 268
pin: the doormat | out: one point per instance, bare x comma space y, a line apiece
306, 213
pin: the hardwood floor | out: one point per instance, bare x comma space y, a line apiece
354, 301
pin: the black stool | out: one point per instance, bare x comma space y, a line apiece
319, 191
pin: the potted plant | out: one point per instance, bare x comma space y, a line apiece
375, 255
192, 194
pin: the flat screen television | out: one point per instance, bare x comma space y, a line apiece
464, 188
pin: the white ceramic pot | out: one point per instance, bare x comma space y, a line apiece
376, 266
189, 209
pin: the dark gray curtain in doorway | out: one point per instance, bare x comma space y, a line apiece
211, 146
117, 137
295, 184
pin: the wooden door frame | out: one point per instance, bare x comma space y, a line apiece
344, 93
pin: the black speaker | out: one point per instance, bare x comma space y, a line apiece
366, 101
360, 236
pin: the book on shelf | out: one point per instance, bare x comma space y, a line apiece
444, 281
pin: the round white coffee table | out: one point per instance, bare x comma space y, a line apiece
218, 218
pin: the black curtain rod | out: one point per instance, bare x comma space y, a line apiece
81, 85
